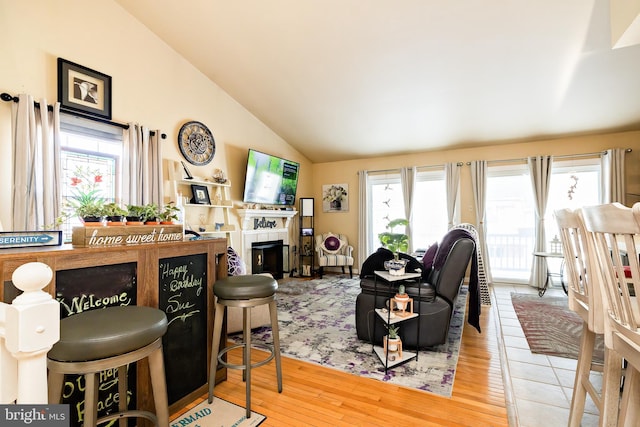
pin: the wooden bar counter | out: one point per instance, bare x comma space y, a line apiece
177, 277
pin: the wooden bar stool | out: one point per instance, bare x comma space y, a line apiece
247, 292
110, 338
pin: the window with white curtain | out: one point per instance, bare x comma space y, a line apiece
91, 155
429, 205
510, 220
429, 208
510, 212
574, 183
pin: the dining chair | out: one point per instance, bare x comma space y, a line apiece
616, 237
585, 299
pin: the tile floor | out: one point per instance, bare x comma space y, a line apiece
541, 386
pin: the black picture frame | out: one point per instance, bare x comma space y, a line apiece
200, 195
83, 90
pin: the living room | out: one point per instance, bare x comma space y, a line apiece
155, 86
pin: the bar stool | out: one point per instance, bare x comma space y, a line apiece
247, 292
110, 338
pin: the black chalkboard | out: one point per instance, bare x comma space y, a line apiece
93, 288
183, 297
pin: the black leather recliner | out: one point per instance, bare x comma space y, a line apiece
439, 287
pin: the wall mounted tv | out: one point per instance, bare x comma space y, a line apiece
270, 180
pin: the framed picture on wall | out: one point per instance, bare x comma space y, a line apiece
335, 198
83, 90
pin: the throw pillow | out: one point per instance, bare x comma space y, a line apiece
332, 244
429, 256
235, 265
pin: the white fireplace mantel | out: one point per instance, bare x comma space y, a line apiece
249, 216
261, 225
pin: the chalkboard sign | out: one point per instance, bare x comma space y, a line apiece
183, 297
93, 288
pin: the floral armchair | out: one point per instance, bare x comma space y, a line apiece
334, 251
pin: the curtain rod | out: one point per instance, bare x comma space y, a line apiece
564, 156
417, 167
8, 98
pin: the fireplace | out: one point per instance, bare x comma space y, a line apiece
266, 257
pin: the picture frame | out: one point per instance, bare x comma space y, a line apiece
335, 197
200, 195
83, 90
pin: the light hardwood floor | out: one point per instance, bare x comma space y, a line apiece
317, 396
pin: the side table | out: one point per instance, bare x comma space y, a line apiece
391, 316
550, 275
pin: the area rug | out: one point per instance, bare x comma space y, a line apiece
318, 326
550, 327
218, 413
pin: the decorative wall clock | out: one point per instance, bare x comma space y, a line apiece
196, 143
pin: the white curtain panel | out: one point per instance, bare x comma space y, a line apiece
142, 166
364, 246
407, 180
452, 177
479, 184
540, 172
613, 188
36, 164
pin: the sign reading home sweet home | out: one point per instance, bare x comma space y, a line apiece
125, 235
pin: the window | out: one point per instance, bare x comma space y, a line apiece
386, 203
510, 212
90, 156
574, 183
430, 220
510, 219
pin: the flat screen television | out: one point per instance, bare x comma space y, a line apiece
270, 179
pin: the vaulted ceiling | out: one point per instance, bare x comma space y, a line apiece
343, 79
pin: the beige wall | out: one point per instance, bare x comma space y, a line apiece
152, 85
346, 172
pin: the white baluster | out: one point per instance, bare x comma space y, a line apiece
32, 327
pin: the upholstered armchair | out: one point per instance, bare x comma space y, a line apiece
334, 251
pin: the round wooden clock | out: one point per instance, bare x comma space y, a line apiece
196, 143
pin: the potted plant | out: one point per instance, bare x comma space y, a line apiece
392, 341
91, 211
150, 215
169, 213
395, 242
135, 215
401, 299
115, 213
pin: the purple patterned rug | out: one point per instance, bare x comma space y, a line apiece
317, 325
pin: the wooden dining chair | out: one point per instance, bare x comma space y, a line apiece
585, 299
616, 237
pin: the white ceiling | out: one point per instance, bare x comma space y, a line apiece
343, 79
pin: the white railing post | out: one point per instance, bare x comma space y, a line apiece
32, 326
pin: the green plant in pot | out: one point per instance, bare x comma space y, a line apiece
169, 213
135, 214
150, 214
392, 340
91, 211
395, 242
401, 300
115, 213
